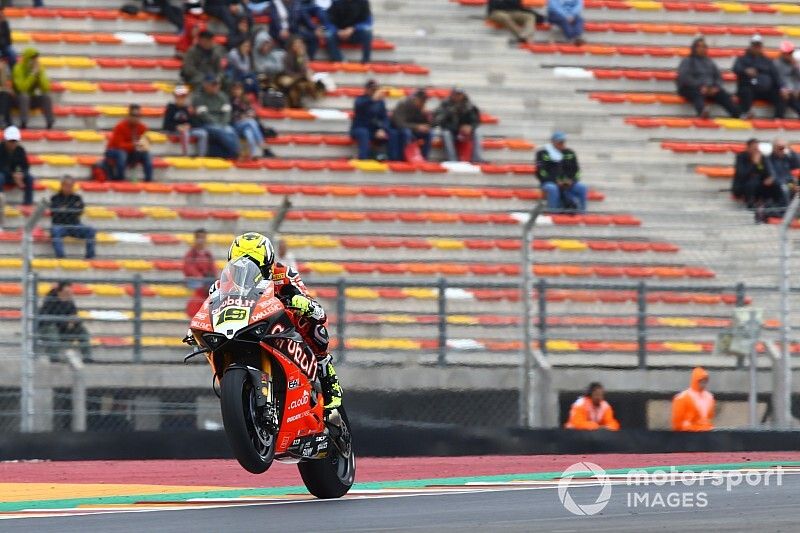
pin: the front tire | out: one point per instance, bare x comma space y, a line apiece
332, 476
252, 445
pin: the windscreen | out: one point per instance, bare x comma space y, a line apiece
238, 278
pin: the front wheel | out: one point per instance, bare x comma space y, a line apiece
253, 446
332, 476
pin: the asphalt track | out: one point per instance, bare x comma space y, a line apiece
763, 509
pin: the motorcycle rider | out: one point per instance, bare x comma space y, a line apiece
292, 292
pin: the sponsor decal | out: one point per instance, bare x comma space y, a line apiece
232, 314
276, 277
322, 446
293, 384
307, 452
297, 417
295, 442
300, 402
238, 302
322, 438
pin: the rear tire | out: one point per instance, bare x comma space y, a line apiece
252, 445
332, 476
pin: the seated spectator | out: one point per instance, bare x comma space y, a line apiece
243, 120
66, 208
784, 161
514, 17
227, 12
213, 110
193, 24
789, 73
699, 81
198, 263
165, 9
754, 180
268, 57
6, 94
244, 33
6, 43
757, 79
559, 175
240, 67
59, 325
14, 165
591, 411
289, 18
413, 124
296, 79
179, 120
567, 15
350, 22
128, 146
371, 123
32, 88
459, 120
202, 60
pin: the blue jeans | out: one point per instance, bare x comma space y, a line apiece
121, 159
449, 142
407, 135
572, 30
81, 231
249, 129
577, 194
362, 37
222, 141
364, 138
27, 192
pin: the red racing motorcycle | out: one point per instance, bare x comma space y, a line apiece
266, 378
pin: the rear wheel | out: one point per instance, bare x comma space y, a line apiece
332, 476
253, 446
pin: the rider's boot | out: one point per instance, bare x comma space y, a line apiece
331, 390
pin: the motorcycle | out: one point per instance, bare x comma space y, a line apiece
266, 378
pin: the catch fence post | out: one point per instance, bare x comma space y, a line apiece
442, 357
782, 401
641, 324
137, 318
530, 412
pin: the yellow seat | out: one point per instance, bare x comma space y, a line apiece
94, 211
732, 7
734, 123
790, 31
162, 213
52, 62
787, 9
104, 289
20, 37
249, 188
156, 137
677, 322
570, 245
170, 291
645, 5
113, 110
555, 345
221, 238
161, 341
11, 212
87, 136
398, 319
325, 267
252, 214
295, 241
184, 162
73, 264
216, 187
361, 293
687, 347
80, 86
402, 344
163, 315
421, 294
106, 238
368, 165
323, 242
447, 244
395, 92
466, 320
164, 87
39, 263
59, 160
53, 185
215, 163
79, 62
136, 264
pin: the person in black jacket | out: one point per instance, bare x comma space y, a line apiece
228, 12
514, 17
754, 179
559, 176
459, 120
179, 120
66, 209
699, 81
350, 21
757, 79
59, 325
6, 44
14, 166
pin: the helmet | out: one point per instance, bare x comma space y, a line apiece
257, 248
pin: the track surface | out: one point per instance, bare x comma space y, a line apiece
512, 494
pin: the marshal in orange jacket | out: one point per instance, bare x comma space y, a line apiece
585, 415
693, 409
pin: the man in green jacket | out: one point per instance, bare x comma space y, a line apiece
32, 87
213, 112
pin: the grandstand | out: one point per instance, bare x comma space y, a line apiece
410, 240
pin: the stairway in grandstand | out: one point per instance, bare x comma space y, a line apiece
653, 214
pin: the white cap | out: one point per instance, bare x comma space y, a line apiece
756, 38
12, 133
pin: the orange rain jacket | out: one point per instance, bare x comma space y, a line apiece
693, 409
584, 415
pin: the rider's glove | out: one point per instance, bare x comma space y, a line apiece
301, 303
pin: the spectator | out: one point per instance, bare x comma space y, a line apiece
228, 12
128, 146
193, 24
202, 60
591, 411
567, 15
32, 87
66, 209
6, 43
14, 165
784, 161
268, 57
240, 66
350, 22
514, 17
243, 120
289, 18
789, 73
757, 78
371, 122
6, 93
693, 409
179, 120
412, 123
459, 119
244, 33
213, 111
699, 81
559, 175
167, 10
198, 263
754, 180
59, 325
296, 80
